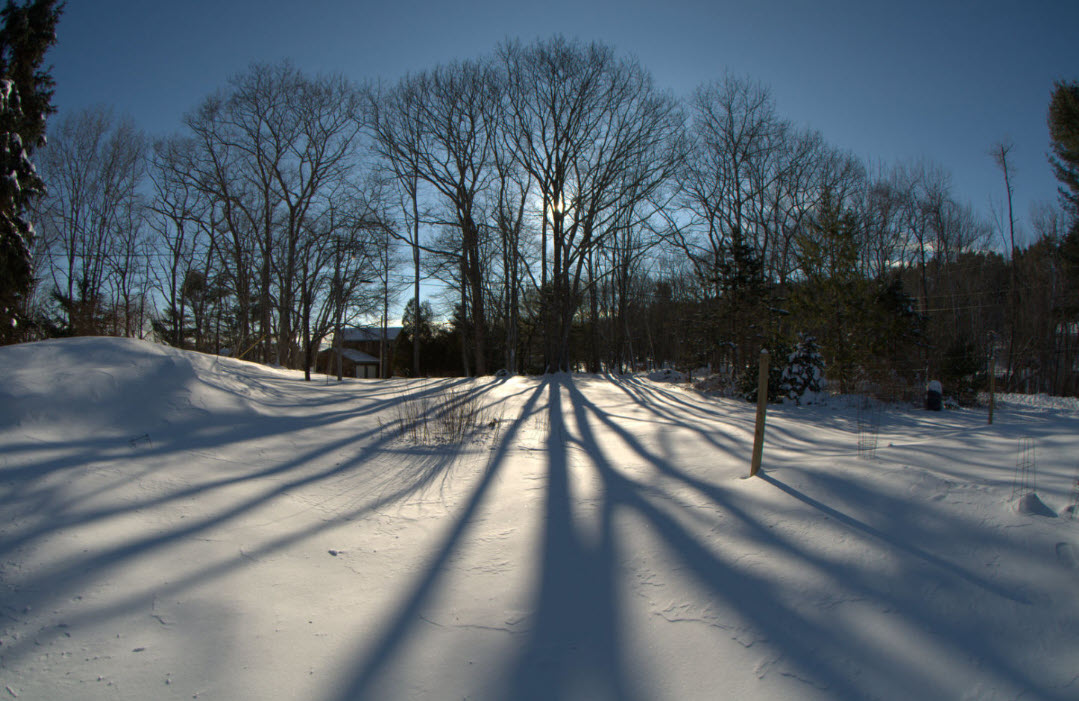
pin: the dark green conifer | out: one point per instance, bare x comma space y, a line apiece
26, 33
1064, 136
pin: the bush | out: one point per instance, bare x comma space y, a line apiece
963, 371
801, 378
448, 417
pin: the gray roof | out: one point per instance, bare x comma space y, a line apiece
358, 357
369, 333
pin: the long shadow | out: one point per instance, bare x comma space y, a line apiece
53, 513
214, 570
661, 397
895, 543
401, 624
753, 597
574, 647
815, 647
677, 410
53, 584
576, 644
667, 404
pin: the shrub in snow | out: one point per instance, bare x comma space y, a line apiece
447, 417
803, 376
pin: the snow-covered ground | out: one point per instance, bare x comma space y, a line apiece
174, 525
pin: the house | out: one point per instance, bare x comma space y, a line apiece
361, 350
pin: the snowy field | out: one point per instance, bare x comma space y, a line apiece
174, 525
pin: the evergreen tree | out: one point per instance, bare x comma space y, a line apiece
1064, 135
418, 321
803, 374
832, 297
748, 383
963, 370
895, 332
421, 322
740, 276
26, 33
1069, 256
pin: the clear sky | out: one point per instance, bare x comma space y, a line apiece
889, 81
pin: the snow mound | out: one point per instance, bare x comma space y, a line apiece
1031, 504
116, 386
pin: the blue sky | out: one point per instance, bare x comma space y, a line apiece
889, 81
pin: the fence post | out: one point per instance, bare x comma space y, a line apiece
992, 384
992, 343
762, 408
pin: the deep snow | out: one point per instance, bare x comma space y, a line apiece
174, 525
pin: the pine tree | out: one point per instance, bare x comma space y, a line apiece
740, 276
26, 33
1064, 135
832, 297
803, 374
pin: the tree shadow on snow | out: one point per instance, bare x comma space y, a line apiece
39, 504
577, 645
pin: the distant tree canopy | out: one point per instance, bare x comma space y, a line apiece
27, 32
562, 212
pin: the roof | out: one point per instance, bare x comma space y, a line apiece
358, 357
368, 333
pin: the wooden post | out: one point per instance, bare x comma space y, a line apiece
762, 408
992, 374
337, 284
992, 385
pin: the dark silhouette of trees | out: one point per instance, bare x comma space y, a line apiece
599, 140
569, 215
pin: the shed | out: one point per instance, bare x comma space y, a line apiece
354, 363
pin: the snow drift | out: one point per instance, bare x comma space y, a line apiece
174, 525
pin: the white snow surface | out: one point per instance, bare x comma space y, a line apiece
175, 525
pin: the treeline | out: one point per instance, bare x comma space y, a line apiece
574, 214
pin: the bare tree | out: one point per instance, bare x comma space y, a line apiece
733, 170
274, 148
394, 118
513, 187
94, 165
1000, 154
440, 129
598, 139
180, 224
341, 249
